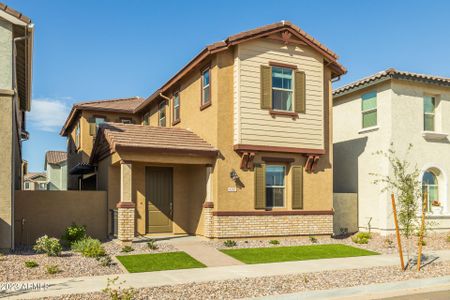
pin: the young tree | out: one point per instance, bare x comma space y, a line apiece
404, 182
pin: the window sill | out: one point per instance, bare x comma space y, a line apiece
433, 135
291, 114
444, 215
206, 105
369, 129
175, 122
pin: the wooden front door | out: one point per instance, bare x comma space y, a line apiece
158, 192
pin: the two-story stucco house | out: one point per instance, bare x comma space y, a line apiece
399, 108
56, 168
35, 181
16, 43
80, 129
236, 144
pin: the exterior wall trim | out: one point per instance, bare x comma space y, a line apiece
260, 148
282, 65
272, 213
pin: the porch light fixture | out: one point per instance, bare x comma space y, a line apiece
234, 175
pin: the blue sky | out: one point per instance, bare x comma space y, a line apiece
87, 50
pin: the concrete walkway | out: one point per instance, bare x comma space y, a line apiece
208, 255
56, 287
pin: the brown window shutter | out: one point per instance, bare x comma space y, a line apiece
297, 187
92, 127
266, 87
300, 91
260, 186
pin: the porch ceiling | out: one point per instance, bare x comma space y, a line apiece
138, 141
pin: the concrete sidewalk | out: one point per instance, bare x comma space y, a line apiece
63, 286
374, 291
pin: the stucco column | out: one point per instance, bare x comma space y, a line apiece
208, 205
126, 207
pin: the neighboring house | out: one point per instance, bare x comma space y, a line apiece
80, 129
236, 144
56, 168
399, 108
35, 182
16, 44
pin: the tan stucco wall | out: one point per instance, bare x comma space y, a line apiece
6, 43
50, 212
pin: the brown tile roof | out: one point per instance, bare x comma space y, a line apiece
153, 139
388, 74
55, 157
262, 31
14, 13
34, 175
124, 105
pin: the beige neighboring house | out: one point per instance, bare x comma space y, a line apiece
400, 108
35, 181
16, 45
56, 168
236, 144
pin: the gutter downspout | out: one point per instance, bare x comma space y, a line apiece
13, 123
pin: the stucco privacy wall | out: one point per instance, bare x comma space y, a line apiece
353, 154
345, 218
50, 212
6, 38
255, 126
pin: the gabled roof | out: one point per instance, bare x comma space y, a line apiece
283, 26
55, 157
121, 105
113, 137
387, 75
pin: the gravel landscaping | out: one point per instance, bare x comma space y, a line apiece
70, 264
378, 243
274, 285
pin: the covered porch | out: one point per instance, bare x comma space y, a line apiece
158, 179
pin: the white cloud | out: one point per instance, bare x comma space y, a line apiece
48, 114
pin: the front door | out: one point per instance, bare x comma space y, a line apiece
158, 192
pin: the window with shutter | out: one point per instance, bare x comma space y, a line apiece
266, 87
260, 186
275, 185
297, 187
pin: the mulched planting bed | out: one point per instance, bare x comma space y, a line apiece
275, 285
70, 264
378, 243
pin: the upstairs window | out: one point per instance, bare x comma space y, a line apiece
77, 136
369, 110
275, 186
27, 185
429, 107
162, 114
282, 88
206, 88
146, 120
176, 108
126, 121
98, 121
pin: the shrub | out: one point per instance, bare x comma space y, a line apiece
361, 238
229, 243
31, 264
105, 261
313, 239
389, 243
74, 233
127, 249
89, 247
424, 243
2, 257
448, 238
50, 246
274, 242
152, 244
53, 269
118, 293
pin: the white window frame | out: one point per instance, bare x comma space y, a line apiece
363, 112
27, 185
291, 90
126, 121
429, 114
207, 86
77, 136
277, 186
161, 107
176, 107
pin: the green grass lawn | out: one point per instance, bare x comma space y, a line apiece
158, 262
280, 254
